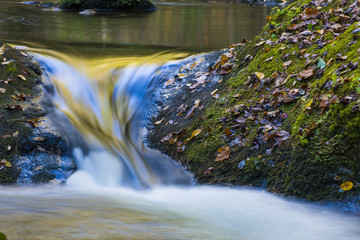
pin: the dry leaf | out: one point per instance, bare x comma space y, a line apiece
38, 139
22, 77
195, 133
260, 75
15, 134
306, 73
191, 112
346, 186
224, 153
2, 90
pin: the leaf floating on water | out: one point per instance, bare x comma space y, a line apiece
38, 139
2, 90
224, 153
195, 133
346, 186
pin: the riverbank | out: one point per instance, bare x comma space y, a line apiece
30, 150
284, 114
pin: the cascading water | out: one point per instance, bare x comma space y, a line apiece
100, 111
109, 114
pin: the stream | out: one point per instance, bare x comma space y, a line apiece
100, 72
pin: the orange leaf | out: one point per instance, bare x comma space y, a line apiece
224, 153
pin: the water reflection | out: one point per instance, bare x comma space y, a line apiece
208, 24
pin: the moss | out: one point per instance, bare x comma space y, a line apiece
324, 142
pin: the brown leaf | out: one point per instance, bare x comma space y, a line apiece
195, 133
180, 110
227, 132
13, 107
306, 73
287, 64
191, 112
309, 13
224, 153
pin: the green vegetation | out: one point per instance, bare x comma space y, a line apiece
290, 110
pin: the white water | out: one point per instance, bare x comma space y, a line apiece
95, 205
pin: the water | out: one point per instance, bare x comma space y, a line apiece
103, 68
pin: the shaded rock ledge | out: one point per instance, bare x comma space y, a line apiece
31, 151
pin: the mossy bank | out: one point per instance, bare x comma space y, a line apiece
285, 114
30, 152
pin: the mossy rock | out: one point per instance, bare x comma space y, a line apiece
322, 121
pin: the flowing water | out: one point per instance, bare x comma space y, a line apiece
100, 72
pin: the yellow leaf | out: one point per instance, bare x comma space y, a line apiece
38, 139
260, 75
195, 133
6, 163
224, 153
22, 77
15, 134
346, 186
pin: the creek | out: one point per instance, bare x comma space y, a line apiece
100, 72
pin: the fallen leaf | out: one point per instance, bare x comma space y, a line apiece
306, 73
208, 171
195, 133
22, 77
4, 163
15, 134
38, 168
2, 90
321, 63
346, 186
8, 148
227, 132
224, 153
287, 64
38, 139
13, 107
191, 112
309, 13
159, 122
6, 136
180, 110
260, 75
168, 82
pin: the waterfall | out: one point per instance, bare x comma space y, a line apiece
102, 116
